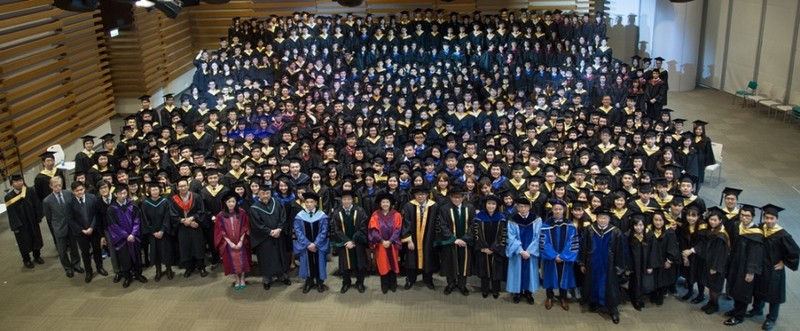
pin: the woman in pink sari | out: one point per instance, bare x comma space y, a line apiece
231, 237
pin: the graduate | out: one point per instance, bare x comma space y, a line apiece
747, 253
522, 250
41, 183
85, 158
311, 246
124, 223
157, 230
780, 252
729, 201
640, 243
490, 229
691, 234
231, 238
715, 251
603, 260
665, 256
419, 234
350, 239
269, 231
559, 251
385, 226
213, 204
24, 216
455, 239
188, 213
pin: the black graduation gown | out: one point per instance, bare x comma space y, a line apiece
41, 183
156, 217
270, 251
641, 259
456, 261
421, 230
779, 245
212, 201
715, 251
747, 253
687, 238
83, 162
665, 248
353, 228
191, 242
490, 233
24, 215
606, 247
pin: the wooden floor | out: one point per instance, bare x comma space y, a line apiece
760, 156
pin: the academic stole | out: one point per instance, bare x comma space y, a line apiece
421, 230
344, 229
18, 197
185, 206
453, 217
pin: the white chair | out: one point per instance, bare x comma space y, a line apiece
772, 101
761, 94
785, 109
58, 153
716, 167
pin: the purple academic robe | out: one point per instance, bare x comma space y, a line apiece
124, 221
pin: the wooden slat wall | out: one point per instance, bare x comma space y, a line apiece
155, 52
55, 82
210, 22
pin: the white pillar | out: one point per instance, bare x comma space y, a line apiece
676, 37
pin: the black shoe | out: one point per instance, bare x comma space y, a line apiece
464, 291
187, 274
733, 321
753, 313
593, 307
698, 299
485, 294
384, 290
267, 286
393, 288
529, 298
321, 288
158, 275
126, 282
102, 271
307, 288
768, 325
28, 264
117, 278
711, 309
729, 313
70, 273
615, 318
408, 285
170, 273
516, 298
203, 272
638, 305
38, 260
78, 270
344, 289
361, 288
286, 281
88, 278
687, 296
448, 289
496, 295
141, 278
430, 285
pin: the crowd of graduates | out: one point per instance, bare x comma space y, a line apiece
509, 147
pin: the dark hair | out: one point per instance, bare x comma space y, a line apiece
75, 185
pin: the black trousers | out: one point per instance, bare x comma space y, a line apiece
774, 309
68, 252
562, 293
208, 234
389, 281
128, 264
739, 308
411, 276
162, 251
90, 249
347, 276
489, 285
458, 281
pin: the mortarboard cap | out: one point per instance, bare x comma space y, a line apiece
771, 209
700, 123
144, 97
88, 138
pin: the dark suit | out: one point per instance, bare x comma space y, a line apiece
85, 211
102, 225
59, 214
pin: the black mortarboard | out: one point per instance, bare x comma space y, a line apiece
687, 178
17, 177
308, 195
47, 155
107, 137
144, 97
88, 138
169, 96
748, 207
347, 193
700, 123
729, 191
522, 201
659, 59
714, 210
771, 209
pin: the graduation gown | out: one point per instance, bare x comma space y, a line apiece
779, 245
233, 227
124, 221
559, 239
311, 228
24, 215
665, 248
490, 232
419, 227
714, 250
688, 237
747, 253
271, 252
603, 255
455, 224
352, 227
386, 227
191, 243
641, 282
156, 217
523, 235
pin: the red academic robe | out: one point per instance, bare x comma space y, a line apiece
386, 227
236, 261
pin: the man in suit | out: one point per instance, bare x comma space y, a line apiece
41, 184
85, 227
104, 199
58, 212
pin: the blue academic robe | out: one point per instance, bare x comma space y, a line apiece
319, 222
523, 235
559, 239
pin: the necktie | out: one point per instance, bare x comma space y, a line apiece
422, 209
60, 200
